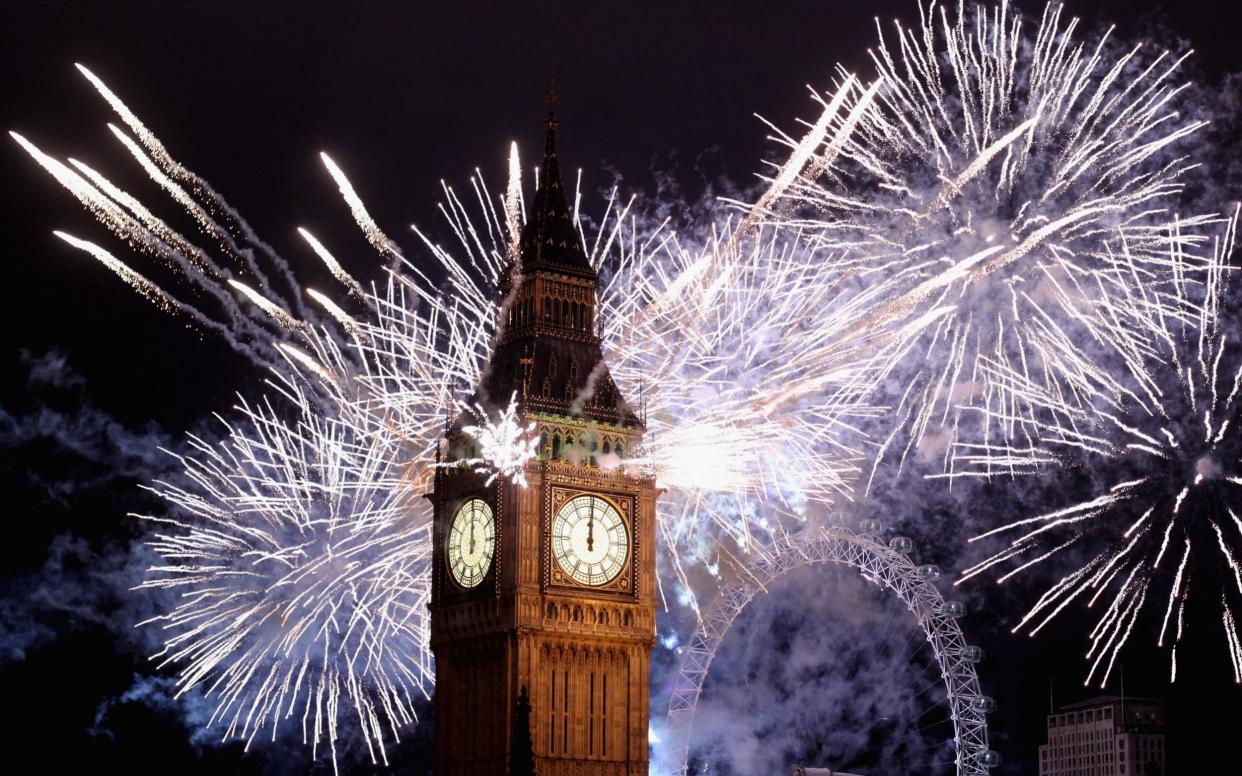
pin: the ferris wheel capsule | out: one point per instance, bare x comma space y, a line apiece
901, 544
983, 704
928, 573
989, 759
971, 654
871, 527
953, 609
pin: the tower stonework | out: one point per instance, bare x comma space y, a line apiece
547, 589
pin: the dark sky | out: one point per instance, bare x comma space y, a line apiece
402, 95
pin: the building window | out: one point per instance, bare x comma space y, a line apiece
591, 716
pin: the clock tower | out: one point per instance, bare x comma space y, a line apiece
544, 593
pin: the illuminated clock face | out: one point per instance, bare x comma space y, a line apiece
589, 540
471, 542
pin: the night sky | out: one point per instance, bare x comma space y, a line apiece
402, 97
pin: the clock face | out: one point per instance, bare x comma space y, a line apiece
589, 540
471, 542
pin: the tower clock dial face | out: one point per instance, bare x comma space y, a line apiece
471, 542
589, 540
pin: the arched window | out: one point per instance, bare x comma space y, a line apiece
543, 444
607, 448
564, 313
556, 447
568, 448
619, 451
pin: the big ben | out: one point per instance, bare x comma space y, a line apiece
545, 591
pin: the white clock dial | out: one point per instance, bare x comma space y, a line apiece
589, 540
471, 542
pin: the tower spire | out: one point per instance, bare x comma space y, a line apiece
550, 238
551, 100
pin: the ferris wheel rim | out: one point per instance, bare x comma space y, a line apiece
882, 564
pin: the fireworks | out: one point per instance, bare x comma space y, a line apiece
503, 445
1161, 431
970, 230
300, 574
751, 398
996, 173
744, 346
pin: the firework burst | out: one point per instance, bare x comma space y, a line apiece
1156, 420
502, 444
300, 573
997, 173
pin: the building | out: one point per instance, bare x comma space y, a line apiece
1105, 735
543, 597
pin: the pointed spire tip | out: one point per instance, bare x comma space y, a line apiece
551, 100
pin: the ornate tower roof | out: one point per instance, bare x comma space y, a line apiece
548, 352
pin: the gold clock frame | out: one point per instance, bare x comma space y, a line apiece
624, 584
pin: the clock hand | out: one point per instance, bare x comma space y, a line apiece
472, 537
591, 532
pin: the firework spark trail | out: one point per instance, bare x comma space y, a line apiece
144, 287
807, 161
513, 204
996, 170
353, 286
1160, 425
257, 332
380, 241
150, 235
301, 577
201, 188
